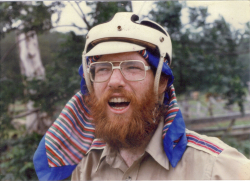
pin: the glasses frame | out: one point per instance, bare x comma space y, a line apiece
146, 68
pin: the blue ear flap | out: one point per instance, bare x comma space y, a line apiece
84, 89
175, 132
43, 171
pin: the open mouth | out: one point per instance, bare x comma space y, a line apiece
119, 102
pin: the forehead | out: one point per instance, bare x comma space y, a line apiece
122, 56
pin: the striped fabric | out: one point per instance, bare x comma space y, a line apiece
93, 59
97, 144
204, 144
72, 134
145, 55
173, 108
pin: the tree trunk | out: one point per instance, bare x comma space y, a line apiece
30, 59
32, 68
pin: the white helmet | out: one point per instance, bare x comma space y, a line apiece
123, 34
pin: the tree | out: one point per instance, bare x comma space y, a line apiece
26, 19
205, 56
244, 50
104, 11
28, 15
50, 94
59, 88
168, 15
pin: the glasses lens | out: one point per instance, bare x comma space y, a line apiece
133, 70
100, 72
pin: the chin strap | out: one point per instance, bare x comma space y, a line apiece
161, 101
86, 75
158, 76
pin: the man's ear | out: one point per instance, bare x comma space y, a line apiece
163, 84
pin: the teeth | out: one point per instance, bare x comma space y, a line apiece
118, 107
118, 100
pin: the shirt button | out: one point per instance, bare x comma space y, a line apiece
129, 178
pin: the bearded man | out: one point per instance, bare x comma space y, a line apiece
125, 123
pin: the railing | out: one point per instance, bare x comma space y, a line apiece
213, 118
231, 129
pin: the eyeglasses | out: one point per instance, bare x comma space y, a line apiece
132, 70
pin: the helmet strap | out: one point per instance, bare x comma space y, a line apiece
86, 75
157, 77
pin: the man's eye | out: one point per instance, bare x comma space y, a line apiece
102, 70
133, 68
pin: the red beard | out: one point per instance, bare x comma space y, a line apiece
121, 131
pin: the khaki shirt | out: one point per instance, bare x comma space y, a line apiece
196, 163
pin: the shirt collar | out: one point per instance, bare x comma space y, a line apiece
155, 147
103, 146
106, 151
110, 156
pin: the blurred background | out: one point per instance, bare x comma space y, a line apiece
40, 51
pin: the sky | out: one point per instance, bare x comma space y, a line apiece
236, 12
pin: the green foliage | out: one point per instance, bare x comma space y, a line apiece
242, 146
61, 56
16, 157
27, 15
168, 14
62, 79
205, 55
104, 11
243, 49
17, 152
9, 67
236, 92
10, 91
198, 16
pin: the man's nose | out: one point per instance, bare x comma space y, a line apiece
116, 80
